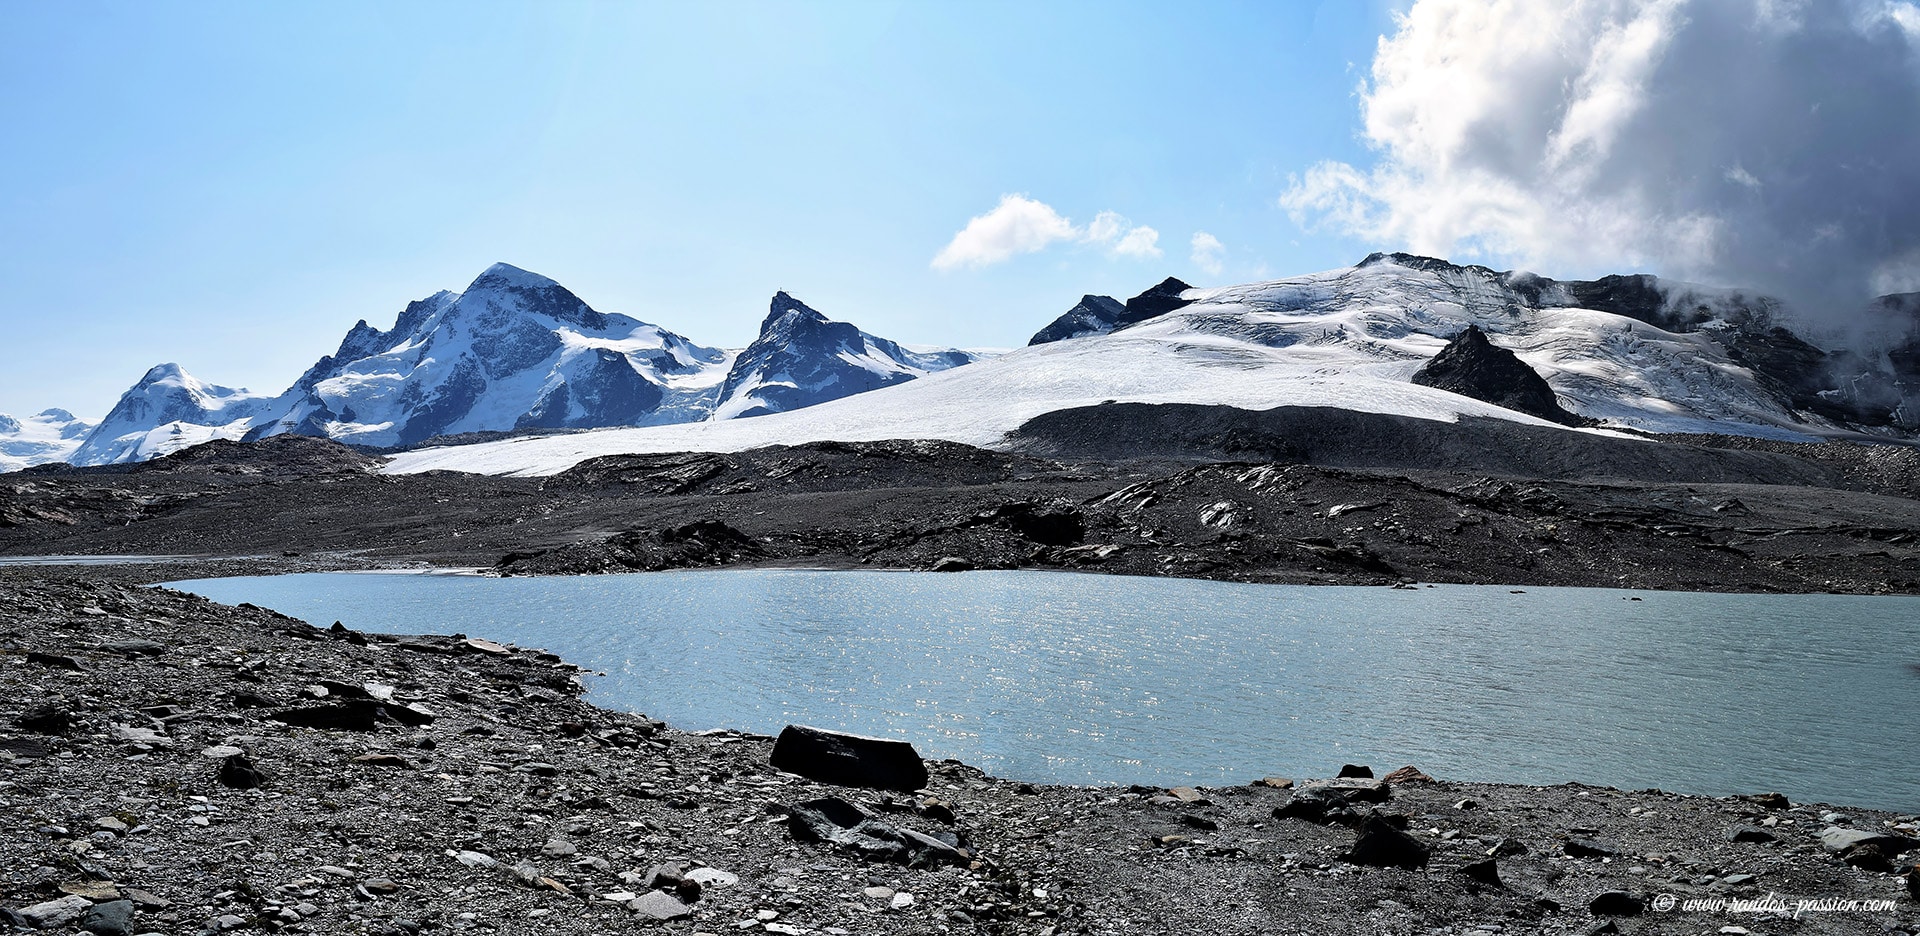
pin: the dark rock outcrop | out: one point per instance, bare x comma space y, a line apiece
835, 821
1383, 846
1093, 315
849, 760
1473, 366
1164, 297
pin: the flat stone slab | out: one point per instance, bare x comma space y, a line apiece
849, 760
658, 905
1839, 838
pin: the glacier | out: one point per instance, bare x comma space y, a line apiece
1349, 338
51, 435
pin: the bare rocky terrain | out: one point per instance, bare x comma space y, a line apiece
1294, 495
169, 765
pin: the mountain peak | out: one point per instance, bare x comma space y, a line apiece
1093, 315
784, 305
508, 276
161, 373
1164, 297
56, 413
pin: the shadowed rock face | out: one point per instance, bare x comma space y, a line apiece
1471, 366
1098, 315
1094, 315
1164, 297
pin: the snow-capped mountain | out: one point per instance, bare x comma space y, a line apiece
801, 358
47, 436
1626, 352
168, 410
515, 351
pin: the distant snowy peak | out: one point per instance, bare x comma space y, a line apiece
1100, 315
168, 409
47, 436
802, 358
514, 351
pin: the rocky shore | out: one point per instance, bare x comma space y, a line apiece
170, 765
1239, 497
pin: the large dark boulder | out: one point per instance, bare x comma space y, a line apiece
1472, 366
1382, 845
849, 760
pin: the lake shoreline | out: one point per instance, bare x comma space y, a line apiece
918, 506
516, 767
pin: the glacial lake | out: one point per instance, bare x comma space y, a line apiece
1087, 679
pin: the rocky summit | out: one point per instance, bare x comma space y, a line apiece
1473, 366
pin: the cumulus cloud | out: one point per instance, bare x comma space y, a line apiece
1138, 244
1022, 225
1208, 253
1017, 225
1763, 143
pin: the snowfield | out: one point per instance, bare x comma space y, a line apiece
47, 436
1346, 338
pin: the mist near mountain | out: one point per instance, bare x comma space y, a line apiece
1763, 144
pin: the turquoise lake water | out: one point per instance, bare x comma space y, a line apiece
1070, 678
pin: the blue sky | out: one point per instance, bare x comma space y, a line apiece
231, 186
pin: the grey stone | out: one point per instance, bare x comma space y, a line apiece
474, 859
134, 735
1837, 839
659, 905
1589, 848
838, 822
1319, 800
56, 913
113, 918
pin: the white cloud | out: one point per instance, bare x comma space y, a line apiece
1107, 227
1586, 136
1021, 225
1208, 253
1138, 244
1017, 225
